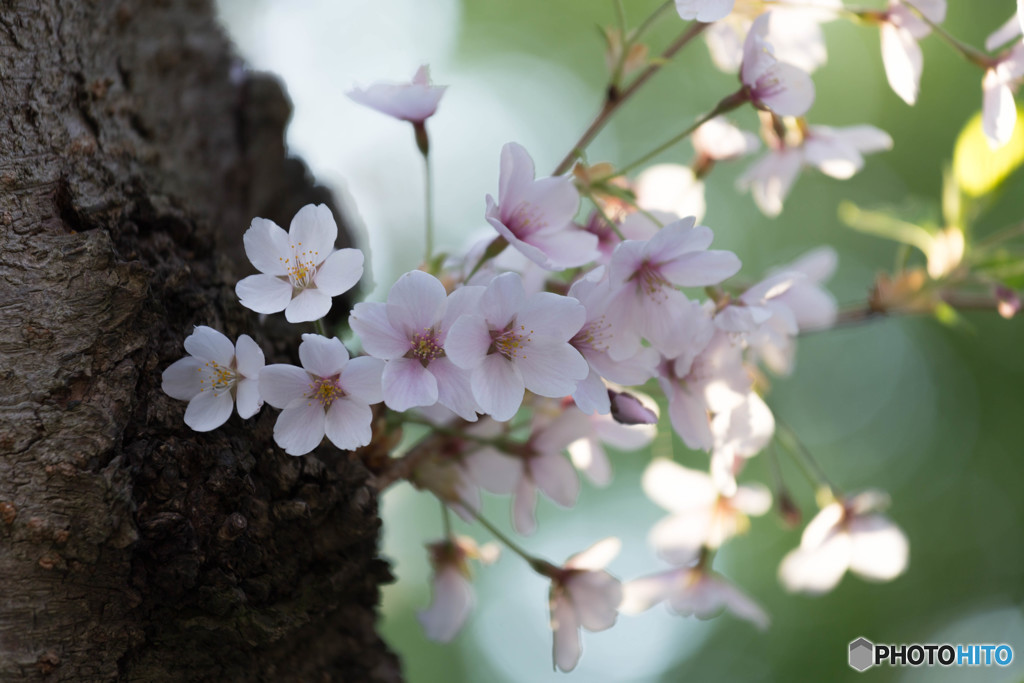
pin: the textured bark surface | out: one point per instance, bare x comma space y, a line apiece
133, 153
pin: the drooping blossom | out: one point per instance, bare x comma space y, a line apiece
409, 332
999, 110
691, 591
582, 595
702, 516
330, 395
588, 452
848, 534
300, 271
770, 84
414, 102
643, 276
517, 342
536, 216
452, 591
671, 188
901, 30
215, 376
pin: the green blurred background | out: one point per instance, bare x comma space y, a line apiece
933, 415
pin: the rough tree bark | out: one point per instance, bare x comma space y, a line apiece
133, 153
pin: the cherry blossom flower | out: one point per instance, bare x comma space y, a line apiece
999, 110
901, 29
719, 140
583, 595
671, 188
452, 590
643, 275
706, 11
518, 342
588, 452
691, 591
846, 535
536, 216
300, 271
414, 102
409, 333
215, 375
773, 85
702, 516
330, 394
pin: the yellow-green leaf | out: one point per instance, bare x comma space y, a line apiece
978, 168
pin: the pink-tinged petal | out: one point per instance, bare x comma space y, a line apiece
347, 423
596, 596
249, 357
208, 410
551, 202
264, 293
207, 343
416, 302
247, 397
591, 395
833, 157
340, 272
535, 254
556, 477
706, 11
736, 601
689, 417
627, 259
701, 269
407, 384
568, 247
1020, 14
453, 388
322, 356
725, 44
414, 102
524, 502
819, 570
785, 89
589, 457
999, 111
464, 300
677, 238
641, 594
300, 427
309, 305
516, 175
901, 56
567, 647
181, 379
370, 321
468, 341
498, 387
770, 179
551, 368
452, 603
281, 384
678, 539
1004, 34
554, 436
502, 299
494, 471
880, 548
758, 55
312, 233
361, 379
266, 245
865, 139
677, 488
597, 556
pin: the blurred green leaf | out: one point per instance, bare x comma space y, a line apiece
977, 167
885, 223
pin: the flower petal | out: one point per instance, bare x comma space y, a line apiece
361, 378
551, 368
207, 343
266, 245
407, 384
524, 502
247, 397
209, 410
181, 379
880, 548
502, 299
498, 387
416, 302
249, 357
300, 427
340, 272
452, 603
453, 388
551, 315
567, 646
348, 423
322, 356
901, 56
677, 488
264, 293
370, 321
281, 384
313, 232
310, 304
468, 341
556, 477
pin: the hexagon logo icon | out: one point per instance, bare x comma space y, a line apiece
862, 654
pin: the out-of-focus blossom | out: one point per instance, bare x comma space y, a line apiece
588, 452
901, 30
583, 595
409, 333
536, 216
846, 535
300, 271
999, 110
330, 395
702, 516
706, 11
691, 591
452, 590
671, 188
414, 102
719, 140
773, 85
214, 377
1009, 302
771, 177
518, 342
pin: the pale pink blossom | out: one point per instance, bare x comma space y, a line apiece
409, 332
702, 516
999, 110
771, 177
851, 535
706, 11
517, 342
1011, 30
720, 140
414, 102
691, 591
536, 216
329, 395
300, 271
452, 590
901, 30
588, 452
582, 595
643, 276
214, 377
770, 84
671, 188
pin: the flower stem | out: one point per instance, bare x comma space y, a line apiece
616, 98
815, 474
971, 54
540, 566
319, 325
446, 517
423, 143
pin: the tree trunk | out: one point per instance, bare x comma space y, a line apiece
133, 153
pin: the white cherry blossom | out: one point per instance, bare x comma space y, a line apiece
777, 86
414, 102
691, 591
